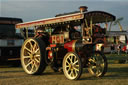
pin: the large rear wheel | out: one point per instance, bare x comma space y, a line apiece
97, 65
33, 56
72, 66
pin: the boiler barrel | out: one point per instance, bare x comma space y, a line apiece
73, 45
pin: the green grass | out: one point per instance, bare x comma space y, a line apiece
114, 58
117, 75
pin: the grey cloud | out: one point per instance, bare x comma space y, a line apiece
35, 9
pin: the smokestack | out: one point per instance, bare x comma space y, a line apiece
83, 8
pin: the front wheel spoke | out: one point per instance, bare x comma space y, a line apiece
75, 62
98, 71
93, 67
67, 62
70, 58
75, 59
76, 72
71, 74
102, 65
67, 66
76, 69
68, 69
93, 60
76, 66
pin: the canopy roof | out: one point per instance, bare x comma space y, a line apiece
99, 17
52, 21
95, 16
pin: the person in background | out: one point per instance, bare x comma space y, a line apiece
112, 48
119, 49
124, 49
127, 48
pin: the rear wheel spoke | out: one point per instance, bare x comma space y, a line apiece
34, 47
36, 50
26, 56
28, 49
32, 69
37, 60
28, 64
31, 44
37, 55
32, 53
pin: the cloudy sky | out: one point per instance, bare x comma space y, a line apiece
30, 10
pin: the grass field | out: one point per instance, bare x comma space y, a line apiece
117, 75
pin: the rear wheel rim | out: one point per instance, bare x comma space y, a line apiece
30, 56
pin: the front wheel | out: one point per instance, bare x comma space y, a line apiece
97, 64
72, 66
33, 56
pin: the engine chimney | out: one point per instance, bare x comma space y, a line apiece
83, 8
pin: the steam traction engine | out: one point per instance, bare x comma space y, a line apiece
70, 42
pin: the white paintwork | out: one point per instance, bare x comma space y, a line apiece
122, 38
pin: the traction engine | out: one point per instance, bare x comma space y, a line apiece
67, 43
